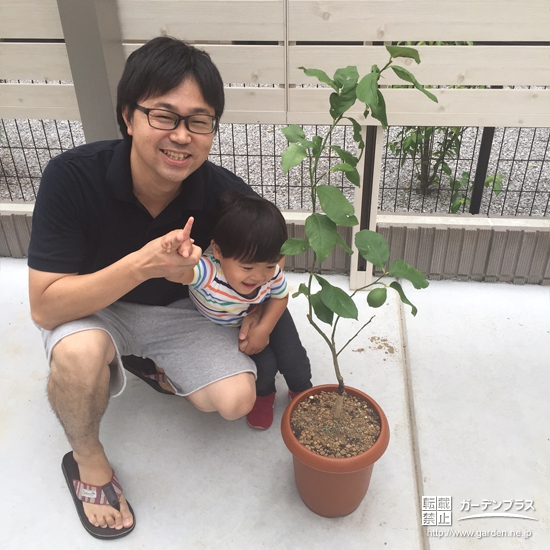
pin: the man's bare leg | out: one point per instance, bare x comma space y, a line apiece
78, 390
232, 397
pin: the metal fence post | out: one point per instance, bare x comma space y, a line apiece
367, 188
94, 45
481, 169
366, 201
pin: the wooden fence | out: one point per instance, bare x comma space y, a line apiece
261, 43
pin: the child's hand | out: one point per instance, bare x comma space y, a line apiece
253, 338
181, 241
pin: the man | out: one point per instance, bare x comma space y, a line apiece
100, 282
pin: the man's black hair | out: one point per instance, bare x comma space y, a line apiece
249, 228
161, 65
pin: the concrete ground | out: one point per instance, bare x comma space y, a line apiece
465, 386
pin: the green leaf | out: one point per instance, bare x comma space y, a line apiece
373, 247
343, 244
321, 233
464, 179
350, 172
403, 270
340, 103
396, 286
322, 312
455, 206
342, 167
345, 156
306, 143
302, 289
367, 89
346, 78
495, 181
401, 51
293, 133
293, 246
293, 156
321, 76
336, 206
353, 177
357, 136
337, 300
379, 112
377, 297
317, 144
405, 75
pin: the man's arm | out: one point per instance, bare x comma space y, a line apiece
56, 298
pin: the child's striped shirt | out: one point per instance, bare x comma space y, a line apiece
215, 299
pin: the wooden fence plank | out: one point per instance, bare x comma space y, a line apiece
32, 61
30, 19
203, 20
38, 101
58, 101
252, 105
258, 64
440, 65
527, 108
428, 20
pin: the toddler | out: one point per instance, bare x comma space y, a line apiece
241, 274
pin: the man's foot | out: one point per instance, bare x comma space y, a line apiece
261, 415
94, 480
99, 472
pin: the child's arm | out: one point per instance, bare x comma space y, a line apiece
254, 337
256, 328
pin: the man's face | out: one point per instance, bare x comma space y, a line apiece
162, 159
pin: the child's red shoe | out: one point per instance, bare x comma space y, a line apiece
261, 415
293, 394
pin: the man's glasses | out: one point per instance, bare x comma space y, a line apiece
161, 119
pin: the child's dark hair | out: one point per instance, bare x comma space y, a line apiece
249, 228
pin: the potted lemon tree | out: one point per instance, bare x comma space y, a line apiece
333, 452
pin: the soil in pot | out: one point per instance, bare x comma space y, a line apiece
313, 424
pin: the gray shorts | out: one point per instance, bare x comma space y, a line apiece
192, 350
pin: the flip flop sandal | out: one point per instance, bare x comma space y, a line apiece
147, 370
82, 492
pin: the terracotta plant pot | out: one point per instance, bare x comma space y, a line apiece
333, 487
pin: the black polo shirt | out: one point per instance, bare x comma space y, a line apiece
87, 217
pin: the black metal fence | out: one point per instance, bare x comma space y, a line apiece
253, 152
517, 165
494, 172
26, 146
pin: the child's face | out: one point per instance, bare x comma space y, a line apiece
243, 277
